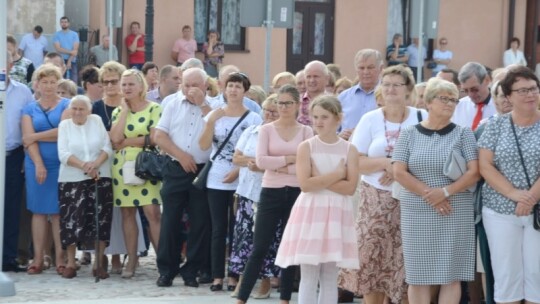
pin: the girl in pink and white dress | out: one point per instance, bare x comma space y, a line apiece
319, 235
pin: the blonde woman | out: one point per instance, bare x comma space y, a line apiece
131, 123
40, 132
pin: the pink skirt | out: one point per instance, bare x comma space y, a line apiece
320, 230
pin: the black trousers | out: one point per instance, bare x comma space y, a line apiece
221, 203
275, 204
14, 182
179, 195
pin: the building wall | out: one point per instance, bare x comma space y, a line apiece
478, 32
358, 24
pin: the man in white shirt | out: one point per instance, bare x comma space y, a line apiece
414, 62
478, 103
34, 46
177, 134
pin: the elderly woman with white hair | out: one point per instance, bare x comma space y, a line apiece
437, 223
85, 151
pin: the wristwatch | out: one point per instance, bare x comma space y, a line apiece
446, 194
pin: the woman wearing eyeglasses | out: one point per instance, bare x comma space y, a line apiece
437, 216
248, 192
276, 154
378, 225
223, 176
509, 163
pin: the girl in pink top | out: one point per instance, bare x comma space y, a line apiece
276, 153
319, 235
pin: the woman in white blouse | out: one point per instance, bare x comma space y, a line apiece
513, 55
85, 151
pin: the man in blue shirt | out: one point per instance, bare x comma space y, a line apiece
66, 42
360, 99
34, 46
17, 97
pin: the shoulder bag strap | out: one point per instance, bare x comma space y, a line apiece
519, 152
229, 135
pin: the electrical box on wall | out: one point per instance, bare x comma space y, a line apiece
253, 13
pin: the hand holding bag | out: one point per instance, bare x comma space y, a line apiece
149, 162
536, 208
200, 181
456, 165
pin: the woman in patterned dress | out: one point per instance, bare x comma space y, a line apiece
437, 214
381, 271
84, 150
132, 121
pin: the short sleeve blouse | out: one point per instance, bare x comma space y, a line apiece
499, 139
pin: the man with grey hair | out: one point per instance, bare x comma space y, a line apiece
18, 96
190, 63
317, 75
360, 99
177, 134
169, 83
478, 103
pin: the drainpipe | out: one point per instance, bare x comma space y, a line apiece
149, 31
511, 18
532, 63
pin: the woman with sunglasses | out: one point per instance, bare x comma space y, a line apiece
109, 77
223, 176
276, 154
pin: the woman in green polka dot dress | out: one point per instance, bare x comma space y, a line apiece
132, 121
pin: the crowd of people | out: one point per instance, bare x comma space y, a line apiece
380, 187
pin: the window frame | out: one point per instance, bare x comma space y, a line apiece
228, 47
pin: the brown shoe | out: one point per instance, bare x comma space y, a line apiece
101, 273
69, 273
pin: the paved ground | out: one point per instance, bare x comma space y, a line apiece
51, 288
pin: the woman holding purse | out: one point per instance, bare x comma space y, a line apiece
221, 133
133, 120
437, 214
509, 163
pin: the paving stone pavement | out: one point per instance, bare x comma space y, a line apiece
49, 287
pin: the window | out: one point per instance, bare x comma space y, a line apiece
223, 16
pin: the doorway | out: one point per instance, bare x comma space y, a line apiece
312, 35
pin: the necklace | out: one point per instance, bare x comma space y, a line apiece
391, 138
106, 115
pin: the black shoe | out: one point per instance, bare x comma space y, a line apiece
191, 283
205, 278
231, 287
164, 281
13, 267
216, 287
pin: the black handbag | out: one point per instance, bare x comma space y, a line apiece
149, 162
200, 181
536, 208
